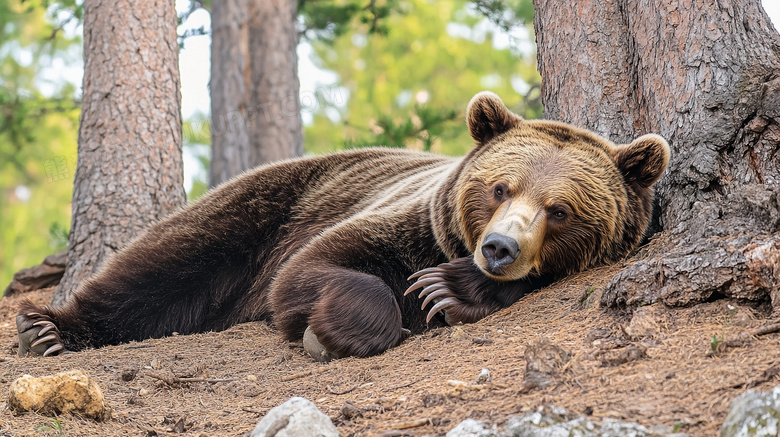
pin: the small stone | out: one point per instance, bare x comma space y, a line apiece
251, 378
643, 323
143, 392
129, 374
66, 392
316, 350
544, 356
458, 333
179, 427
296, 417
616, 357
596, 334
484, 377
457, 384
350, 411
543, 360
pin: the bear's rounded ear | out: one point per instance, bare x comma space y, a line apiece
488, 117
644, 160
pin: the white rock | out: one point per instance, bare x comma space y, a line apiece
294, 418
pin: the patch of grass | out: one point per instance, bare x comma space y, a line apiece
53, 428
588, 292
715, 343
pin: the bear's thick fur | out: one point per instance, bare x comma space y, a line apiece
329, 242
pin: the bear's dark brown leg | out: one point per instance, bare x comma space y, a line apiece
351, 313
465, 294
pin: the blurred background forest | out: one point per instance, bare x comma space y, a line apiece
399, 78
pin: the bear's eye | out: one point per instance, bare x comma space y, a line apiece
499, 191
558, 212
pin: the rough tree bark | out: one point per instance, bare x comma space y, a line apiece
129, 170
254, 85
229, 89
706, 76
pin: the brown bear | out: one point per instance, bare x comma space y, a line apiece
329, 242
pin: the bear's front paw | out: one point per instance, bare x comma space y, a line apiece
436, 288
38, 335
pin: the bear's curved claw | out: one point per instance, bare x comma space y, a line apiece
424, 281
54, 350
47, 326
435, 288
442, 305
38, 335
440, 292
43, 340
423, 272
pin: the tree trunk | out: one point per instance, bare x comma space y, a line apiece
706, 76
129, 170
229, 89
254, 85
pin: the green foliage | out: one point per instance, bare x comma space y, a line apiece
199, 184
38, 129
196, 139
328, 20
59, 236
433, 58
506, 14
419, 130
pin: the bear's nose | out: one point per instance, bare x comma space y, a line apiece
499, 250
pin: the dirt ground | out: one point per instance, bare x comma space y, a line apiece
679, 383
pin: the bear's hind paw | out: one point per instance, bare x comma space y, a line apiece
38, 335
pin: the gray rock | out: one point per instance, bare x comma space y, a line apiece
552, 421
753, 413
549, 421
317, 350
296, 417
471, 428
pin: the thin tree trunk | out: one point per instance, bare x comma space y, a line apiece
129, 170
706, 76
229, 89
275, 129
254, 85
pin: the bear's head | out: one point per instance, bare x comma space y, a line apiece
542, 197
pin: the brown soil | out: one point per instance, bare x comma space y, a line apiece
679, 383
